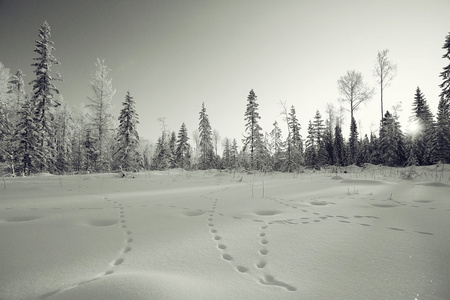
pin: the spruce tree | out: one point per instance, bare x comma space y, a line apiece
311, 150
226, 155
338, 147
443, 115
183, 151
234, 154
205, 144
28, 136
423, 143
353, 142
391, 142
44, 97
296, 140
319, 130
253, 139
126, 153
277, 147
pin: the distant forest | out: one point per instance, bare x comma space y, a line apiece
39, 132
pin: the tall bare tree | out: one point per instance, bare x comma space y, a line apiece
384, 71
354, 91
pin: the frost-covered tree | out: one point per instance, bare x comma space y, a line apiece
126, 154
443, 114
183, 149
226, 154
99, 114
27, 136
205, 140
6, 116
16, 89
44, 91
277, 147
253, 139
63, 136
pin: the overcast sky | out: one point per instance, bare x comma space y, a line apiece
174, 55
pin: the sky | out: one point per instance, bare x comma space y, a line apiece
174, 55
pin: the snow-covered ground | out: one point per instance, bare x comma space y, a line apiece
203, 235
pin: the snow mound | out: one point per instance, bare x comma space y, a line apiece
362, 182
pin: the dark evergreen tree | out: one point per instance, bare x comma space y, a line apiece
338, 147
253, 140
44, 97
375, 154
311, 147
126, 154
234, 154
160, 160
443, 115
226, 155
328, 143
172, 149
423, 143
391, 142
353, 142
91, 154
183, 149
319, 129
205, 145
296, 143
363, 155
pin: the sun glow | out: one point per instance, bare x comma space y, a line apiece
414, 127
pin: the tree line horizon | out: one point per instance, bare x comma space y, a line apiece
41, 133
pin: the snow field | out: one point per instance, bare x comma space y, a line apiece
202, 235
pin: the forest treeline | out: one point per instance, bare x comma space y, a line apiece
39, 132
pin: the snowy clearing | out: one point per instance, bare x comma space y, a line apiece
210, 235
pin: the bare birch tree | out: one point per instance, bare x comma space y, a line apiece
384, 71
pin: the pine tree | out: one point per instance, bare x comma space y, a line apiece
296, 140
183, 149
127, 154
277, 147
226, 155
443, 115
205, 145
338, 147
391, 142
311, 150
89, 151
160, 160
234, 154
28, 136
8, 120
353, 147
100, 114
44, 98
319, 130
424, 140
253, 140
